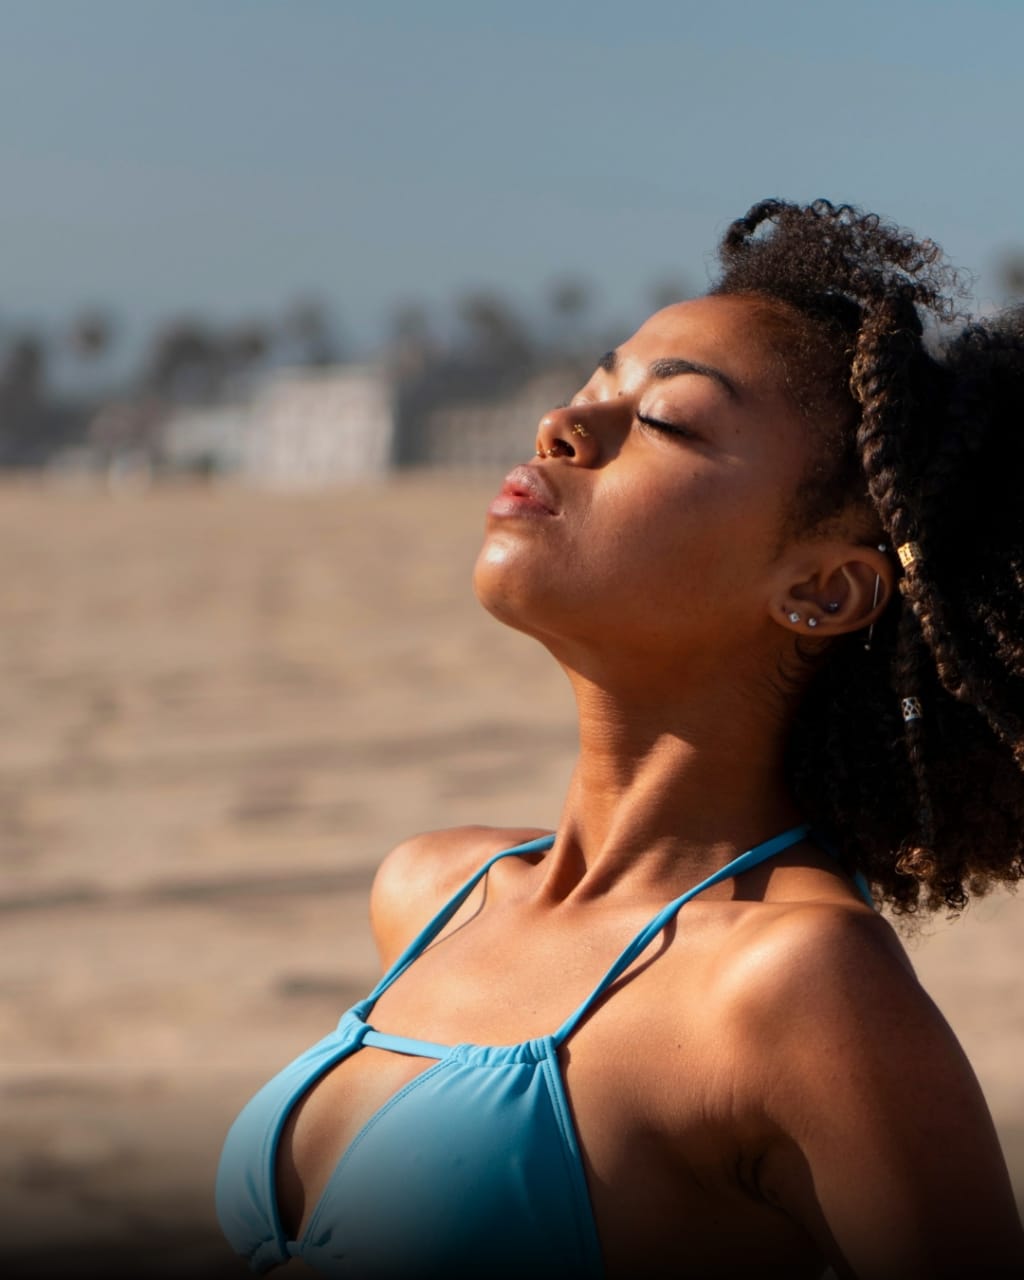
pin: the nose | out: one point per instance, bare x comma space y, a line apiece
565, 433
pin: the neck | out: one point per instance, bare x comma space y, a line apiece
669, 786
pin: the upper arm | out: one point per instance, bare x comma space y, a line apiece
419, 875
886, 1151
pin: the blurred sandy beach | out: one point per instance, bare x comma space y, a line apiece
221, 708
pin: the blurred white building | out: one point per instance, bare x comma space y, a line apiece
300, 429
307, 427
206, 438
321, 426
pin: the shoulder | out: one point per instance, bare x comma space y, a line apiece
809, 950
419, 875
828, 974
869, 1112
831, 1032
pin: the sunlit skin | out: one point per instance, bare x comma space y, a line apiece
769, 1090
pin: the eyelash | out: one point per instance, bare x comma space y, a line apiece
668, 428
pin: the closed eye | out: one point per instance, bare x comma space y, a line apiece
667, 428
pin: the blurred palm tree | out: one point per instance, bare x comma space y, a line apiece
412, 344
22, 400
186, 362
246, 348
310, 332
1011, 273
92, 334
410, 322
571, 299
494, 332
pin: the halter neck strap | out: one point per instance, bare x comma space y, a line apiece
744, 862
430, 930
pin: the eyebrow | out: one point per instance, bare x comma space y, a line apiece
674, 367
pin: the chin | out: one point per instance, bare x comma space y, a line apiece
498, 584
510, 589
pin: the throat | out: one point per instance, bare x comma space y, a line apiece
667, 791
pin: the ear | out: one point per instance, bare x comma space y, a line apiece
832, 588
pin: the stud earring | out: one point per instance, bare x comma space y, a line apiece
794, 616
812, 622
578, 429
833, 606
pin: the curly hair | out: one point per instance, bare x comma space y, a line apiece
923, 425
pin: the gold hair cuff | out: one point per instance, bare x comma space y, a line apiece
911, 708
908, 553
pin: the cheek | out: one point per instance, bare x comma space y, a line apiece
639, 564
695, 563
684, 540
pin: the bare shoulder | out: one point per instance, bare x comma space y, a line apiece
421, 873
879, 1126
821, 1005
824, 972
812, 950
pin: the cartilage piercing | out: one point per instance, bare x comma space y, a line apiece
878, 591
833, 606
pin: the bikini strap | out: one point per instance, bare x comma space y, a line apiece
829, 845
430, 931
760, 853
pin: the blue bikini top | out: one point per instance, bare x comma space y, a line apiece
472, 1168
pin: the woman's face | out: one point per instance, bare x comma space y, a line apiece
654, 525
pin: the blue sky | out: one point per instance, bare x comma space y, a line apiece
224, 156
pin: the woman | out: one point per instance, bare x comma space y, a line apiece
777, 546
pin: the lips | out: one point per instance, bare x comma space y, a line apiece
526, 491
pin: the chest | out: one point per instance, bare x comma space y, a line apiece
633, 1104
